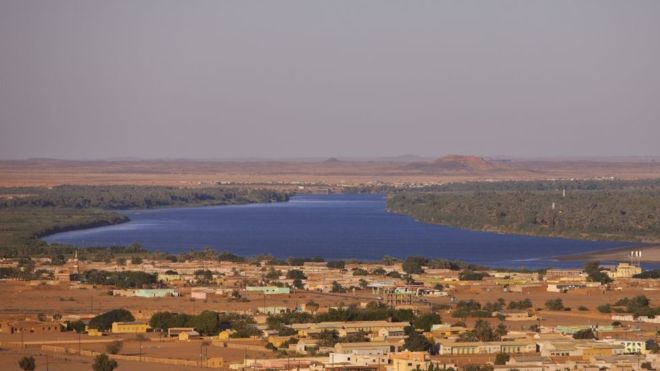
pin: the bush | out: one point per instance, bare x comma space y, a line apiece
554, 304
103, 363
501, 359
295, 274
584, 334
468, 275
114, 347
336, 264
413, 264
77, 326
426, 321
360, 272
605, 308
27, 363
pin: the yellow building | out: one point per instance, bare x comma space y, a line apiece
278, 341
409, 361
189, 335
224, 335
129, 327
625, 270
169, 277
594, 349
94, 332
215, 362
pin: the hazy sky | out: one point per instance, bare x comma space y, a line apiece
217, 79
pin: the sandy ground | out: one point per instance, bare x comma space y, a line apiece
650, 254
20, 299
190, 173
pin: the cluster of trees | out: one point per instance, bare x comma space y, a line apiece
328, 338
134, 197
482, 331
638, 306
123, 279
416, 264
521, 304
374, 311
595, 274
103, 322
584, 334
472, 308
546, 186
555, 304
206, 323
469, 275
627, 214
650, 274
41, 211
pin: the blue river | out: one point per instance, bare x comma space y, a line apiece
345, 226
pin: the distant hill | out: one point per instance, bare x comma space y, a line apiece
458, 163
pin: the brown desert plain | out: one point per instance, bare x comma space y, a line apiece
392, 171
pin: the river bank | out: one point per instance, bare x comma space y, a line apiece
650, 254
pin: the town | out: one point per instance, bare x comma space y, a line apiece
210, 310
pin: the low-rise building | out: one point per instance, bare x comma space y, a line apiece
155, 293
29, 326
269, 290
129, 327
451, 347
409, 361
344, 328
624, 270
515, 315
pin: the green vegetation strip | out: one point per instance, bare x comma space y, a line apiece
608, 210
27, 214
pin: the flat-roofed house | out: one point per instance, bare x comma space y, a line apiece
409, 361
624, 270
343, 328
155, 293
175, 331
29, 326
369, 348
451, 347
269, 290
129, 327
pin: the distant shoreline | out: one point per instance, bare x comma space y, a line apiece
650, 254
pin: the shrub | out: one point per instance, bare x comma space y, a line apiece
103, 363
554, 304
114, 347
27, 363
584, 334
501, 359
